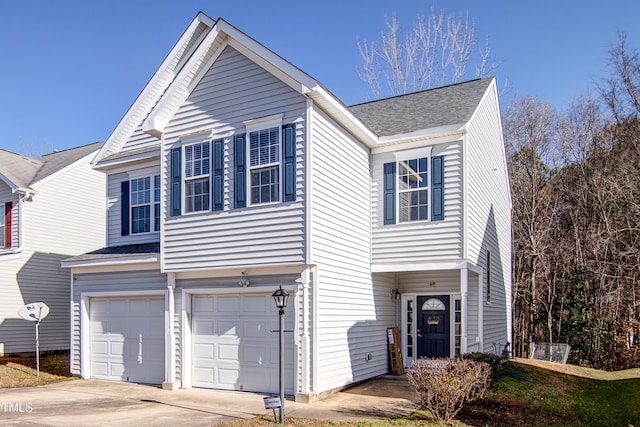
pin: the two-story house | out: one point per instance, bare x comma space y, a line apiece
51, 207
234, 173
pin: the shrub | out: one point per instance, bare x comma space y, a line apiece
493, 360
445, 386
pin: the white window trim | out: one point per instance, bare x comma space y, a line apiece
152, 201
255, 125
403, 156
184, 179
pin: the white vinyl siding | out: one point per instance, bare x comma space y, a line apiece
54, 227
233, 91
421, 242
489, 215
353, 311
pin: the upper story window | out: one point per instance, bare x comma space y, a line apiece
264, 165
262, 168
413, 190
197, 168
145, 204
5, 224
2, 225
413, 187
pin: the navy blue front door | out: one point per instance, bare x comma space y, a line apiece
433, 326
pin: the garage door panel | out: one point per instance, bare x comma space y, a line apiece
127, 339
257, 328
227, 353
227, 327
228, 303
245, 350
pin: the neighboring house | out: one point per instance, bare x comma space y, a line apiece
234, 173
51, 207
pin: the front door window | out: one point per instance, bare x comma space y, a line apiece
433, 326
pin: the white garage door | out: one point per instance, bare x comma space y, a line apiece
127, 339
233, 346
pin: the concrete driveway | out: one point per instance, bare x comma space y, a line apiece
103, 403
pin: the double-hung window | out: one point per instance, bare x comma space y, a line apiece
264, 165
197, 171
413, 187
141, 205
145, 204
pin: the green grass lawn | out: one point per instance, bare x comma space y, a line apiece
20, 371
559, 395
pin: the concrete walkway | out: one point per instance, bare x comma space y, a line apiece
104, 403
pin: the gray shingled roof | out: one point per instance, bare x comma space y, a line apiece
24, 171
117, 252
443, 106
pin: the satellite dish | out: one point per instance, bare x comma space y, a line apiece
34, 312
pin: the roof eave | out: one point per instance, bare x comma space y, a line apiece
342, 115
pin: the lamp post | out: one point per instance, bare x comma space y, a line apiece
281, 297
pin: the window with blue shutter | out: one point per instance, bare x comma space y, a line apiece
176, 181
239, 171
289, 162
218, 174
389, 190
437, 188
124, 208
413, 189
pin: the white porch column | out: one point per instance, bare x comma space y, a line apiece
170, 337
306, 347
464, 285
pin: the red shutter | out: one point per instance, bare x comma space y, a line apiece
7, 224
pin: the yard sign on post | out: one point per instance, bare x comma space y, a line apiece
35, 312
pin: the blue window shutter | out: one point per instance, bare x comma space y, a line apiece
218, 174
389, 188
437, 188
239, 166
124, 208
176, 181
289, 161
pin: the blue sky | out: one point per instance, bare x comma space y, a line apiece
72, 68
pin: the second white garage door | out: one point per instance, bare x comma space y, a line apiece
127, 339
233, 346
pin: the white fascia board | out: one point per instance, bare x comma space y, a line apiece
11, 184
123, 161
427, 266
266, 58
181, 86
151, 93
419, 139
339, 112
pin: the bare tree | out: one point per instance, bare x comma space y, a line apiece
438, 50
621, 90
